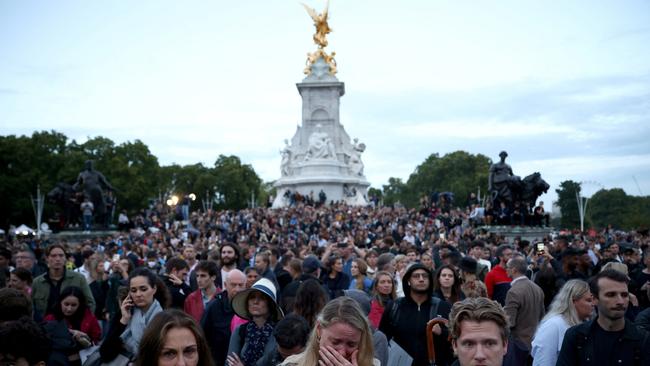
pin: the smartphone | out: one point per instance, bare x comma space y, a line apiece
342, 245
540, 248
116, 257
132, 308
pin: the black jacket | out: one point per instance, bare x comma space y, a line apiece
336, 285
633, 347
643, 320
409, 329
179, 293
216, 326
112, 345
288, 294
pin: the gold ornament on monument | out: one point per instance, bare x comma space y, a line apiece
320, 38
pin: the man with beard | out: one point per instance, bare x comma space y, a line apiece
218, 316
406, 318
497, 281
229, 255
610, 339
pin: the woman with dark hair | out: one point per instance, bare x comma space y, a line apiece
72, 314
252, 276
21, 280
173, 338
334, 279
147, 296
254, 340
383, 292
427, 260
310, 300
446, 284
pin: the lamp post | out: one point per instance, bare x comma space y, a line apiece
582, 208
582, 201
37, 205
172, 201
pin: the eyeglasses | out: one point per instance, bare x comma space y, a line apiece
420, 275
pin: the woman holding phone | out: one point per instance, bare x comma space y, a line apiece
147, 296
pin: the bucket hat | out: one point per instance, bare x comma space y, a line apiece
266, 288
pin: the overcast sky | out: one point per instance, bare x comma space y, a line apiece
563, 86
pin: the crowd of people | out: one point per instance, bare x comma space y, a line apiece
327, 285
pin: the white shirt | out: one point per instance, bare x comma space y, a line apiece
224, 274
85, 272
517, 279
547, 341
485, 263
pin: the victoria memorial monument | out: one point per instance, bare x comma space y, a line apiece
321, 157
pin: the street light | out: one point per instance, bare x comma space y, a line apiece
172, 201
582, 201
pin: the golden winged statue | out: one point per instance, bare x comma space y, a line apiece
320, 38
320, 22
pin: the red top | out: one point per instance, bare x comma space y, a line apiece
194, 304
376, 311
497, 283
89, 325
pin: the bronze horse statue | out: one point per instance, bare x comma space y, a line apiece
527, 190
66, 199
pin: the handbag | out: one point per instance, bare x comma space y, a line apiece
95, 359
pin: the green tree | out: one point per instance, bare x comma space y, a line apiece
566, 200
375, 192
46, 158
133, 171
393, 191
25, 163
236, 181
187, 179
458, 172
614, 207
267, 190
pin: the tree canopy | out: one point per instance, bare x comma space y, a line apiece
458, 172
605, 207
47, 157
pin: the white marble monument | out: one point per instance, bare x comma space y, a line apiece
321, 156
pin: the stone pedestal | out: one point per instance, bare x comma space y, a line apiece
321, 156
531, 233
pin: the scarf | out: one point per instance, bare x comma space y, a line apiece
256, 339
134, 330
